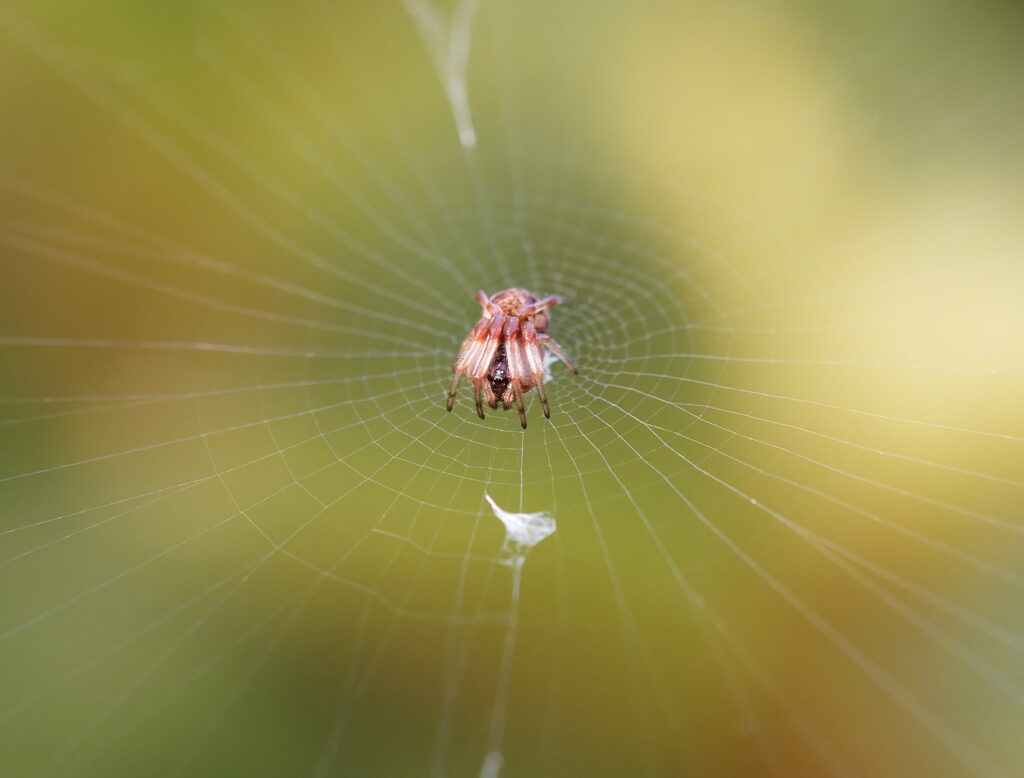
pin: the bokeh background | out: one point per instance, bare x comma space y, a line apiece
239, 244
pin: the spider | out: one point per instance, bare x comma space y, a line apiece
502, 355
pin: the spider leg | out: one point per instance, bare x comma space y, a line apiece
476, 396
451, 391
485, 302
488, 392
510, 337
515, 353
543, 398
552, 344
475, 358
535, 363
540, 305
518, 392
477, 371
468, 356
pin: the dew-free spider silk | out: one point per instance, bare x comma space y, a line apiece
502, 354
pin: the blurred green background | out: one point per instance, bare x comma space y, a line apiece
239, 244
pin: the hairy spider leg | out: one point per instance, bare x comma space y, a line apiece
540, 305
516, 369
510, 339
488, 392
467, 356
479, 369
485, 301
552, 344
519, 402
476, 398
481, 365
536, 363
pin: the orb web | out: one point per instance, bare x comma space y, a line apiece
241, 533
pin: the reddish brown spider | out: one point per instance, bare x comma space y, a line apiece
502, 355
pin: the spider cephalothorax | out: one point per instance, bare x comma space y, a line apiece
502, 355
